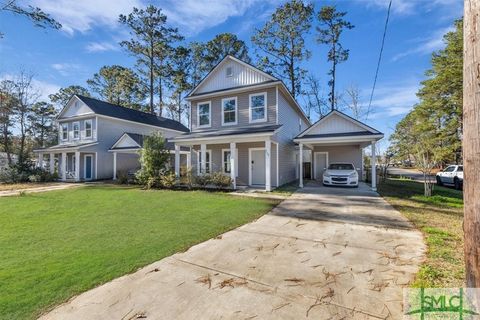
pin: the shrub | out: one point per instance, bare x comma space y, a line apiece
122, 177
203, 180
168, 179
12, 174
187, 178
221, 180
154, 159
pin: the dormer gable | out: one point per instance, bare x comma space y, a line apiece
74, 108
231, 73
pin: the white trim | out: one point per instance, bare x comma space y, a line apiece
209, 114
278, 183
315, 162
236, 112
265, 115
236, 161
223, 62
91, 128
209, 151
276, 105
250, 163
342, 139
118, 141
260, 137
85, 166
96, 165
73, 130
67, 149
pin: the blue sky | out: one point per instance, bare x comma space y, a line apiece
90, 36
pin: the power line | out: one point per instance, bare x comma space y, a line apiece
379, 59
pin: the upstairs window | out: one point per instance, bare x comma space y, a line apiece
204, 114
229, 111
88, 128
258, 107
76, 130
64, 131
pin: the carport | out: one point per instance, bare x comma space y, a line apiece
337, 137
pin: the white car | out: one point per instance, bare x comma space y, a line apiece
451, 175
340, 174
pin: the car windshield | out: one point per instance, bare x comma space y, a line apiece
460, 169
340, 166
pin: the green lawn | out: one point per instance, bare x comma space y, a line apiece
57, 244
440, 219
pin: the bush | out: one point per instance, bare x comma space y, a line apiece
187, 178
154, 158
12, 174
221, 180
203, 180
42, 175
168, 179
122, 177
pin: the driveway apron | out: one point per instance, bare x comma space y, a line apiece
324, 253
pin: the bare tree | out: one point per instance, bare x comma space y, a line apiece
315, 100
351, 100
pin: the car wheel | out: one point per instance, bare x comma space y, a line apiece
439, 181
457, 184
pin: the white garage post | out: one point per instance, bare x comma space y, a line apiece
203, 164
300, 170
177, 160
189, 160
64, 166
52, 162
77, 166
114, 166
40, 160
374, 167
233, 165
268, 162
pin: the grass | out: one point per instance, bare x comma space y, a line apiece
440, 219
287, 189
20, 186
58, 244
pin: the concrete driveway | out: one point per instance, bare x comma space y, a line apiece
325, 253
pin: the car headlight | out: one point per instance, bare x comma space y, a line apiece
326, 175
353, 175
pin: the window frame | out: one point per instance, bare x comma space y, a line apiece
223, 162
199, 158
73, 130
265, 116
91, 129
209, 114
63, 132
235, 111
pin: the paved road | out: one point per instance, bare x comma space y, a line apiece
409, 173
324, 253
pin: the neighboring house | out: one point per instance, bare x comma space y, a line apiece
4, 159
245, 123
98, 139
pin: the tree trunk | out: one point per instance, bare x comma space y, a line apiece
152, 110
160, 96
471, 141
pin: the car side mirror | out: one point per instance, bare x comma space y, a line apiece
324, 168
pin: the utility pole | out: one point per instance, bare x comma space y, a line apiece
471, 140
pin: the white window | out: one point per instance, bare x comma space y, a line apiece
226, 164
208, 156
229, 111
76, 130
88, 128
204, 114
64, 131
258, 107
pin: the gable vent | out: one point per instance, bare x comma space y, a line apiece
229, 72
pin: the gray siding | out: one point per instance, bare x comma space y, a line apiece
83, 138
242, 110
347, 153
293, 124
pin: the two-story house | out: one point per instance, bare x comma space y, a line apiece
98, 139
245, 123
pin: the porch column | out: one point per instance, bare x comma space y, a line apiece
233, 164
114, 166
189, 160
64, 166
374, 167
52, 162
40, 160
77, 166
300, 170
177, 160
203, 164
268, 162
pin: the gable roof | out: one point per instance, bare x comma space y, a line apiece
363, 129
227, 58
119, 112
138, 140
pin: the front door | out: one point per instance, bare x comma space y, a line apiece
320, 165
88, 167
257, 167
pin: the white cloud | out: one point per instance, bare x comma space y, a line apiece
394, 100
65, 69
83, 15
101, 47
426, 45
406, 7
